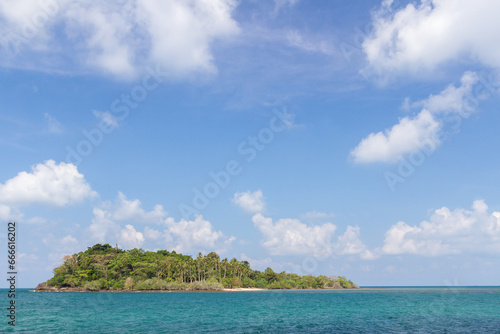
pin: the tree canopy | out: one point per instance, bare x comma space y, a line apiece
102, 267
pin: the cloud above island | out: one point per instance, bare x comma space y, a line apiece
123, 220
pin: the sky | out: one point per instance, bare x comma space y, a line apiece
354, 138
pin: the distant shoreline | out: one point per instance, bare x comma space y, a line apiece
79, 289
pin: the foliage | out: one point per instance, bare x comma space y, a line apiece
93, 285
102, 267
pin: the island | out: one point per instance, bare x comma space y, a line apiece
106, 268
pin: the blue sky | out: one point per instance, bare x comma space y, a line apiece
331, 137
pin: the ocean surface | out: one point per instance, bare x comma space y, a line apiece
370, 310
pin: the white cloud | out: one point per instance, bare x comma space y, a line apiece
447, 232
106, 117
409, 135
349, 242
125, 210
103, 228
250, 201
180, 32
70, 240
130, 238
152, 234
105, 225
116, 37
24, 24
292, 237
370, 255
183, 236
452, 99
197, 234
105, 29
48, 183
53, 126
421, 132
426, 34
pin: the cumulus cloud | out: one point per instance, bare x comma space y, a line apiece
106, 228
112, 223
180, 32
250, 201
262, 264
350, 244
292, 237
421, 132
131, 210
428, 33
447, 232
109, 215
116, 37
197, 234
152, 234
68, 240
48, 183
103, 228
409, 135
130, 238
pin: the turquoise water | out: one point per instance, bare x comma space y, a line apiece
374, 310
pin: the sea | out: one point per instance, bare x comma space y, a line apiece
366, 310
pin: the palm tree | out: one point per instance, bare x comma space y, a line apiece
224, 264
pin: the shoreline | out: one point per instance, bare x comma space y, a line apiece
53, 289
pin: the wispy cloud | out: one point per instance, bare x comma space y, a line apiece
316, 215
306, 43
53, 126
106, 117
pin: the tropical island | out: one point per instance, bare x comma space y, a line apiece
105, 268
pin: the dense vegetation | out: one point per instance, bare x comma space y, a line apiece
104, 267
